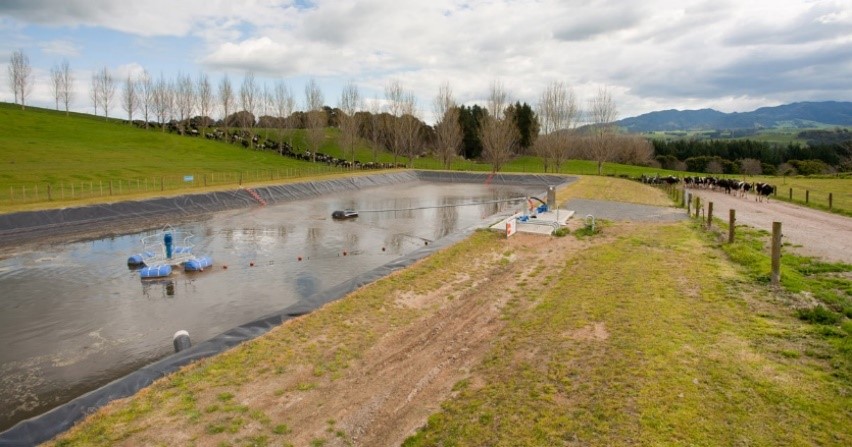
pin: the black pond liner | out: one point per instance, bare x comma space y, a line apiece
44, 427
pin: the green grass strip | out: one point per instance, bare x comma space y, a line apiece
651, 339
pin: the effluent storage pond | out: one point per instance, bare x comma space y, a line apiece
74, 317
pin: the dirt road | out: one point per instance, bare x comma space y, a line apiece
811, 232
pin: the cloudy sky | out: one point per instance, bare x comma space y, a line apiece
652, 55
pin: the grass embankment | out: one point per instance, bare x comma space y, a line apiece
83, 157
643, 335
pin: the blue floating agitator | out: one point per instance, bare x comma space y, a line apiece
198, 264
167, 240
136, 260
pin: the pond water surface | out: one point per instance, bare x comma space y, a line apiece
74, 317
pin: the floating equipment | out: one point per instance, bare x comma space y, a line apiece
198, 264
167, 240
344, 214
155, 271
181, 341
165, 249
139, 259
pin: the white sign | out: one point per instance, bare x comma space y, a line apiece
511, 226
188, 178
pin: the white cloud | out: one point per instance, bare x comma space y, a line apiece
654, 54
60, 48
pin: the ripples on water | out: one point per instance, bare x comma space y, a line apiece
74, 317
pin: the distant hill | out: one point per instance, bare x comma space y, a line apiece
797, 115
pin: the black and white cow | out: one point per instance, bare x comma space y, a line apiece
763, 190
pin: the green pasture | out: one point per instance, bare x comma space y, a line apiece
81, 156
48, 159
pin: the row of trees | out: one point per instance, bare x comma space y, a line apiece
495, 133
687, 154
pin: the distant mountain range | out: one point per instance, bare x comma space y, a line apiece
796, 115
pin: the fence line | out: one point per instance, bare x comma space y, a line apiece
71, 191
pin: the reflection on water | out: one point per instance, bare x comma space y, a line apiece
75, 317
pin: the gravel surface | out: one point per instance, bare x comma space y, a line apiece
811, 232
601, 209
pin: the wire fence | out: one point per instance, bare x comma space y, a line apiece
100, 189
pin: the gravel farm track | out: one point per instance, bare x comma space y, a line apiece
810, 232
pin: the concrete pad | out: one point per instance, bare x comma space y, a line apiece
543, 223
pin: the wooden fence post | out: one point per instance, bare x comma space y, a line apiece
732, 221
807, 196
50, 198
776, 253
829, 200
791, 194
709, 214
697, 206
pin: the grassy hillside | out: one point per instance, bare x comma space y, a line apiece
41, 147
49, 159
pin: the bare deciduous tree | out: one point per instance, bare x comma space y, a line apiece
284, 105
394, 97
206, 99
603, 113
499, 135
409, 128
20, 76
129, 98
226, 97
350, 104
56, 84
105, 89
751, 166
448, 132
93, 92
714, 167
67, 84
184, 100
316, 119
249, 96
374, 133
558, 112
146, 95
163, 103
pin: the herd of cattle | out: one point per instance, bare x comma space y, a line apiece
285, 149
761, 190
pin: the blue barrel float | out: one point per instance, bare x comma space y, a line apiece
155, 271
198, 264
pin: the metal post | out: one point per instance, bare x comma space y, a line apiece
776, 253
732, 220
